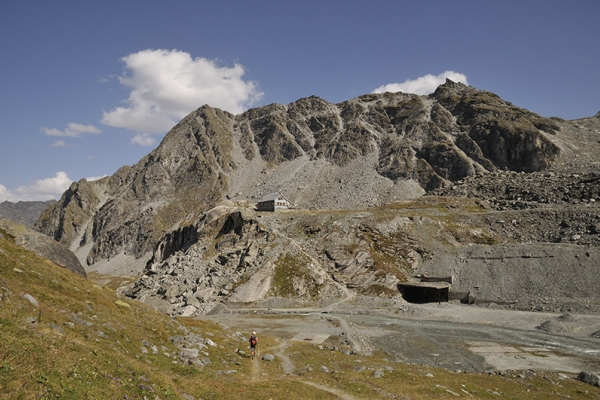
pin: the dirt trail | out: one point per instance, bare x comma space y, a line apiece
290, 369
255, 369
286, 362
339, 393
279, 350
357, 341
350, 295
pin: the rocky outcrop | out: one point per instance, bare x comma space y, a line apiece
363, 152
226, 255
589, 378
540, 207
236, 256
42, 245
68, 219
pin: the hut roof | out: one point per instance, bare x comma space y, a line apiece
273, 196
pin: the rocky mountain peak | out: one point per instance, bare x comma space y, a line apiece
364, 152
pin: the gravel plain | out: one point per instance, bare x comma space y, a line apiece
452, 336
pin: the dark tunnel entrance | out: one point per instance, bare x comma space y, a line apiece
425, 292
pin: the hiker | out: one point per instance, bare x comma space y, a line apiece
253, 344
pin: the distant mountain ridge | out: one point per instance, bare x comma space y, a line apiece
24, 212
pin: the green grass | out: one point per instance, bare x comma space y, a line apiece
292, 276
429, 204
412, 380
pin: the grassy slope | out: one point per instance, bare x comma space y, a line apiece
82, 345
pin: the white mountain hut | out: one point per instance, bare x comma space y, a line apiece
273, 202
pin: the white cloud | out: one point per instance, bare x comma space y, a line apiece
4, 193
169, 84
95, 178
424, 84
73, 130
143, 139
60, 143
42, 190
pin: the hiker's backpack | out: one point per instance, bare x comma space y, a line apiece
253, 340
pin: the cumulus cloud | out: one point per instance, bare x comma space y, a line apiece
95, 178
73, 130
143, 139
166, 85
41, 190
4, 193
59, 143
424, 84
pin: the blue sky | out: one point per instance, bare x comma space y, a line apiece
89, 86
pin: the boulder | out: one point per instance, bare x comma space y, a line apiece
589, 377
43, 246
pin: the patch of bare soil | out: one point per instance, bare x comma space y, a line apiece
337, 392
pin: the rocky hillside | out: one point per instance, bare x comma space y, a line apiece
183, 216
235, 256
299, 257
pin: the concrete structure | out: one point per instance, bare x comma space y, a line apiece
425, 292
272, 202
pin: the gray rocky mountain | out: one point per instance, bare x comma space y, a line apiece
357, 171
24, 212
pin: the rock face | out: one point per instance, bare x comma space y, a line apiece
366, 151
237, 255
43, 246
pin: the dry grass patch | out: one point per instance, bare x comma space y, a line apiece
355, 376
